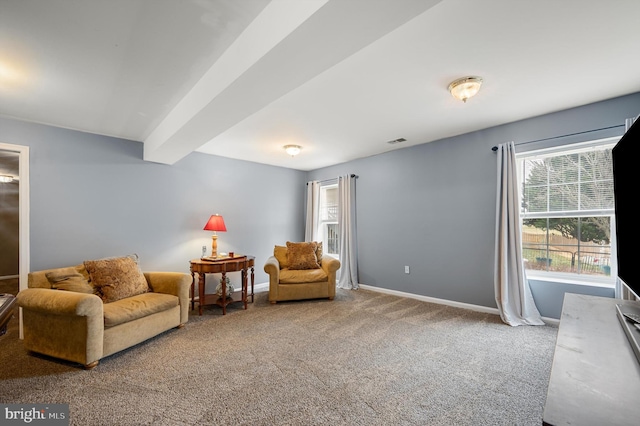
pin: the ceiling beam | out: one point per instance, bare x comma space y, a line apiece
288, 44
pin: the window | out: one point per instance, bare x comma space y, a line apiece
567, 209
328, 219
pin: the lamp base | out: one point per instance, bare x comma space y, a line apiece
214, 246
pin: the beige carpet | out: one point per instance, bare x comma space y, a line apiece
365, 358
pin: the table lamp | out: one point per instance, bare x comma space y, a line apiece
215, 224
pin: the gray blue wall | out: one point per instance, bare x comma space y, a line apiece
93, 196
429, 206
432, 206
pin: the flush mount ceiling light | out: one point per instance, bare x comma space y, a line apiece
292, 150
464, 88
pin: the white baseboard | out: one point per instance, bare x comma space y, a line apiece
550, 321
9, 277
260, 287
477, 308
455, 304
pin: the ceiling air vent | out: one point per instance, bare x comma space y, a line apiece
395, 141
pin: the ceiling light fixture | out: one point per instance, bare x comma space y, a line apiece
6, 178
464, 88
292, 150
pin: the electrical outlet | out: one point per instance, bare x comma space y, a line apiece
204, 250
406, 269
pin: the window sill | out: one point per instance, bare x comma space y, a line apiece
572, 279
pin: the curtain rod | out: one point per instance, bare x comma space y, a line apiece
329, 180
495, 148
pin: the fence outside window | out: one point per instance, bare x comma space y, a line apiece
555, 253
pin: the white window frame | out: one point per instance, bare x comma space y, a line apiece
567, 277
326, 218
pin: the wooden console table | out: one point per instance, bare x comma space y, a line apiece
595, 376
222, 266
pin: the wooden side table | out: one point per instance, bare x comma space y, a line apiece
221, 265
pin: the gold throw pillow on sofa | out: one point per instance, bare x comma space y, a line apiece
302, 255
70, 279
319, 251
116, 278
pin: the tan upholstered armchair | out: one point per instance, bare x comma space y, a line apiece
300, 271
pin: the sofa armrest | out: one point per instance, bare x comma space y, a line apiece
272, 267
175, 283
60, 302
63, 324
329, 264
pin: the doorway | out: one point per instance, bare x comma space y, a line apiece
9, 222
14, 219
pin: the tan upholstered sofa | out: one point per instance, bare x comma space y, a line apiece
293, 275
67, 315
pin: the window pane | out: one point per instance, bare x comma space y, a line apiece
328, 219
563, 168
535, 172
597, 180
535, 198
572, 244
595, 251
573, 182
332, 238
596, 195
595, 165
563, 197
534, 244
329, 203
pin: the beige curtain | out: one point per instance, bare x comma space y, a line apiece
313, 211
513, 295
348, 272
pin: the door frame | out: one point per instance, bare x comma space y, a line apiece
23, 213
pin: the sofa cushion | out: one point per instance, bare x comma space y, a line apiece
292, 276
142, 305
116, 278
302, 255
70, 279
280, 253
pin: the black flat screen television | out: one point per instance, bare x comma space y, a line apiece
626, 169
625, 189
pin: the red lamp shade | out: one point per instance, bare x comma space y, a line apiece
215, 223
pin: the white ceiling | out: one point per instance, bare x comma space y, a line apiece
243, 78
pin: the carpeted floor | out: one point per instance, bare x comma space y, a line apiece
365, 358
